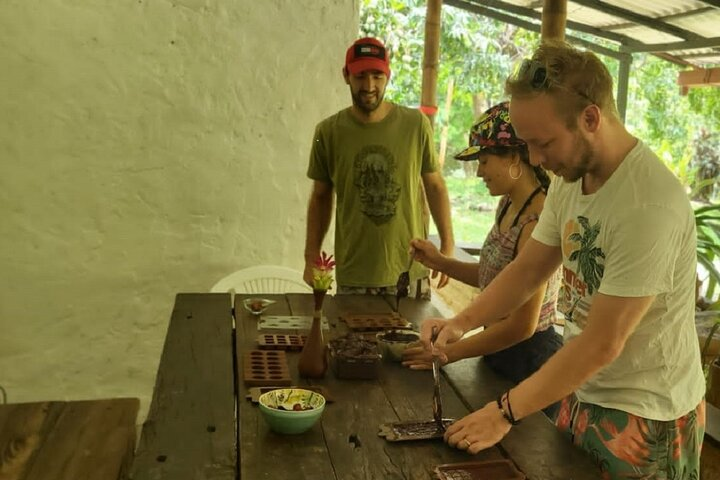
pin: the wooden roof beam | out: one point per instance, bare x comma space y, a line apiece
699, 77
638, 19
532, 27
501, 6
673, 47
664, 18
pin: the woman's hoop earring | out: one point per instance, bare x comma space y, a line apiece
510, 170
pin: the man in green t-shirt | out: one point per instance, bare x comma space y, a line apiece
378, 160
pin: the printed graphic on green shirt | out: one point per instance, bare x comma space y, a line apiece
375, 171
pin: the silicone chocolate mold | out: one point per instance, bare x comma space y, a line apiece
488, 470
289, 322
405, 431
265, 367
380, 321
281, 342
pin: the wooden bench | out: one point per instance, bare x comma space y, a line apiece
76, 440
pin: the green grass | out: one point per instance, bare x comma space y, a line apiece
473, 209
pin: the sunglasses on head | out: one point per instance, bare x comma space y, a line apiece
536, 74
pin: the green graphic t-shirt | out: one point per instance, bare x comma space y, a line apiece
375, 169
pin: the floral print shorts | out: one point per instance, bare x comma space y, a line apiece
627, 446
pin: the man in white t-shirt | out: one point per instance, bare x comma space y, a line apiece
621, 225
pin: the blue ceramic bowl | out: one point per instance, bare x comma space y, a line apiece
291, 410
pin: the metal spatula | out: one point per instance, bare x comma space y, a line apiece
403, 283
437, 402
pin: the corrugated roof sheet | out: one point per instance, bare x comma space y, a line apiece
687, 32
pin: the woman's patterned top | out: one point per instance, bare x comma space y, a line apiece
500, 249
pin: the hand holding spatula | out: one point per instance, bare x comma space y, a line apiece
403, 283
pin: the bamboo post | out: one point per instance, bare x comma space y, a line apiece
431, 59
446, 126
554, 16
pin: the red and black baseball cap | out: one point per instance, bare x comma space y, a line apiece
367, 54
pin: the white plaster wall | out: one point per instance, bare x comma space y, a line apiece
147, 147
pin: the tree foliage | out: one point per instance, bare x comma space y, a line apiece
478, 53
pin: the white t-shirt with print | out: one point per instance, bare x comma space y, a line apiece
634, 237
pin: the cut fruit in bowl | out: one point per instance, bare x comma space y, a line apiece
256, 306
291, 410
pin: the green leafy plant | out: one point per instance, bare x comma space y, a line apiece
707, 222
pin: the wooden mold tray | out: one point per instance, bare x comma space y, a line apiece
265, 367
254, 392
488, 470
273, 341
406, 431
376, 322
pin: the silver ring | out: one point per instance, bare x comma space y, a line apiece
467, 444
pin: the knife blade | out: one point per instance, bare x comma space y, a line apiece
437, 401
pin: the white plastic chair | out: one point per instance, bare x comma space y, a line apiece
263, 279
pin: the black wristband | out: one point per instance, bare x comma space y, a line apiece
502, 410
507, 416
512, 417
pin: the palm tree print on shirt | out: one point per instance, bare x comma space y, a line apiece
587, 254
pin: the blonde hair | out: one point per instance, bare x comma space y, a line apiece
566, 70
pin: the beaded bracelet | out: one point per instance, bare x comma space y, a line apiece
507, 416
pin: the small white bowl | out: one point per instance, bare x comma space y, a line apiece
256, 306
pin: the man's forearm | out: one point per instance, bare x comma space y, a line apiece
512, 287
561, 375
439, 205
318, 222
610, 322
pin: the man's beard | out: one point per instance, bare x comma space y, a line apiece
367, 107
586, 155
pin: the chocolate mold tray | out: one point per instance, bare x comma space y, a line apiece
488, 470
406, 431
265, 367
254, 392
272, 341
289, 322
376, 322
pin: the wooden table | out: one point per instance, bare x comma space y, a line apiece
191, 428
